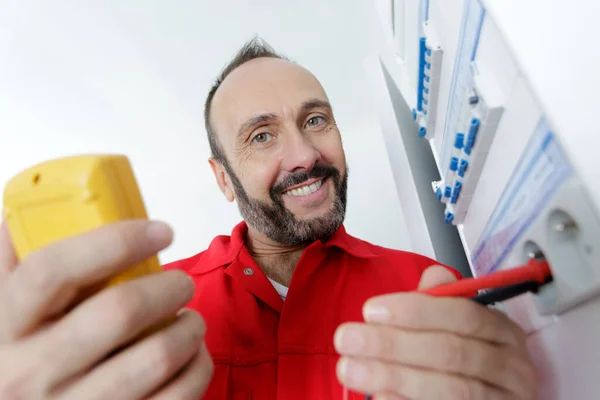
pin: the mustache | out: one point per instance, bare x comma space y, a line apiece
296, 178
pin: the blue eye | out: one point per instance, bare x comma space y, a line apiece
314, 121
263, 137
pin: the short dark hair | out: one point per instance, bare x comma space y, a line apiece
254, 48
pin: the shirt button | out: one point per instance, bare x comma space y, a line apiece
248, 271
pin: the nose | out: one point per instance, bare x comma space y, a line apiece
299, 152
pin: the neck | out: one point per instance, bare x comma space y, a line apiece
276, 260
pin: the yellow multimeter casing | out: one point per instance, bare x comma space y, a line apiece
64, 197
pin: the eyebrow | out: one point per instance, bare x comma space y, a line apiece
315, 103
259, 119
262, 118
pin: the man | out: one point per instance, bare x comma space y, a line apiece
295, 307
277, 151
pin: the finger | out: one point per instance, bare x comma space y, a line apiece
434, 276
112, 318
453, 315
8, 257
193, 380
49, 279
497, 365
142, 368
370, 376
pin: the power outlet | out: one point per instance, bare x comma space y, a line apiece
567, 234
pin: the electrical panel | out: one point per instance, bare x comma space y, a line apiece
502, 99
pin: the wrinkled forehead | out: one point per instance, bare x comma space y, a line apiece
261, 86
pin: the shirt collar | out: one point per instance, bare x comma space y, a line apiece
351, 245
223, 250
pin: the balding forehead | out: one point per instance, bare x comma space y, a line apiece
267, 70
261, 86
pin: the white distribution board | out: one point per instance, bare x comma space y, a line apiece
514, 141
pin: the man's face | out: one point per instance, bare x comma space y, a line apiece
285, 161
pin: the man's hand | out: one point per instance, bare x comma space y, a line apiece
419, 347
52, 350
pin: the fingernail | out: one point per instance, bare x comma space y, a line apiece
376, 313
352, 373
349, 340
159, 232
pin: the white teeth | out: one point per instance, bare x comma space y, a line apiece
305, 190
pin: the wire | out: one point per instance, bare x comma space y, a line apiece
498, 295
536, 270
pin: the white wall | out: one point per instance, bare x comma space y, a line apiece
131, 77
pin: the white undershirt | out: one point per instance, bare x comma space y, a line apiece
282, 290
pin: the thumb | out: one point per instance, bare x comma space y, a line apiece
434, 276
8, 257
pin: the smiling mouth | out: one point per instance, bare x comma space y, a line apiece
306, 189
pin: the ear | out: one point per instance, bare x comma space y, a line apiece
222, 178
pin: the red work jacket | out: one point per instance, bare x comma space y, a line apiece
267, 349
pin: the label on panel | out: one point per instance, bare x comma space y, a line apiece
541, 170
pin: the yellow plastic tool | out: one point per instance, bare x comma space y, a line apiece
68, 196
